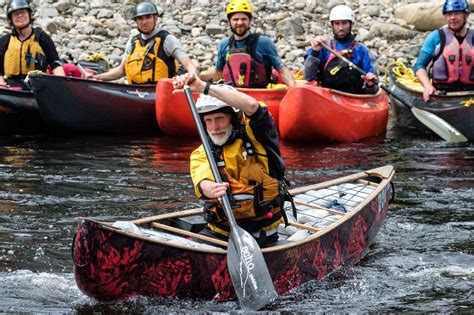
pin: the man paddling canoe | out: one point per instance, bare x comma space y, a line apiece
249, 160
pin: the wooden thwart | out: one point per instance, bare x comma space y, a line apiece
171, 215
188, 233
304, 227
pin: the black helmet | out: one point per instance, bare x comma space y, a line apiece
144, 8
15, 5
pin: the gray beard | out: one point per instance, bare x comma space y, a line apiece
223, 140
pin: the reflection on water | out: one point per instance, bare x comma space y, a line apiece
422, 259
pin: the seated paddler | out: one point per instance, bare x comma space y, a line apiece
244, 142
150, 55
25, 48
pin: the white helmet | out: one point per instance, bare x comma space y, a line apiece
207, 103
341, 13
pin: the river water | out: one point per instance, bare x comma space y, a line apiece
422, 259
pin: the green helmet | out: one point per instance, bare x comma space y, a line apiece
145, 8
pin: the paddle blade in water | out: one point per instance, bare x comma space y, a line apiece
250, 276
439, 126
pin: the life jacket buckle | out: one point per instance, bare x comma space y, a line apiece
241, 79
335, 70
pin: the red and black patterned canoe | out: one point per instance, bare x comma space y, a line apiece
75, 104
160, 255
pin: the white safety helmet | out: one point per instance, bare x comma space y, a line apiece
342, 13
207, 103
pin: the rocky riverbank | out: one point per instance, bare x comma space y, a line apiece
391, 29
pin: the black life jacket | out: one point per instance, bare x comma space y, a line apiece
338, 75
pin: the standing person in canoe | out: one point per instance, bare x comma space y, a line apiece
248, 157
26, 48
151, 55
330, 71
246, 59
451, 52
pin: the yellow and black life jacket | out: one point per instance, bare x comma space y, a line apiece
148, 62
256, 197
22, 57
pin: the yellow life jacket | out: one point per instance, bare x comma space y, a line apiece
148, 62
22, 57
256, 197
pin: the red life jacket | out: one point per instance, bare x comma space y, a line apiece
73, 71
242, 68
345, 52
454, 62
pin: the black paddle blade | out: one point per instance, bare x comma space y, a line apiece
247, 267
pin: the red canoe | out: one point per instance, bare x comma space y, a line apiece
310, 113
175, 119
155, 256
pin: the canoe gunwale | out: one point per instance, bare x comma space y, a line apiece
94, 82
261, 89
385, 173
351, 95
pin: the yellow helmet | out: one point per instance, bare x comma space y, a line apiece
239, 6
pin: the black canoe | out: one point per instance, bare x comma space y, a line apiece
76, 104
160, 255
456, 108
19, 113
